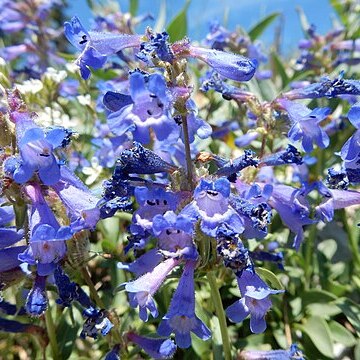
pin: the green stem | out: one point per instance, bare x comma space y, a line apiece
189, 165
309, 253
50, 327
353, 243
94, 295
215, 295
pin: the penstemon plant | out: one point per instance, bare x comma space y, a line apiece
170, 199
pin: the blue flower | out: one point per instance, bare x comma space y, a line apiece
175, 235
145, 263
36, 150
218, 37
95, 321
232, 167
305, 124
350, 154
230, 247
337, 179
139, 160
113, 354
289, 202
254, 301
326, 88
213, 81
46, 244
94, 46
211, 205
18, 327
9, 235
181, 318
80, 203
292, 354
293, 209
152, 201
36, 302
288, 156
157, 45
154, 347
149, 108
333, 199
141, 290
69, 291
253, 209
196, 125
232, 66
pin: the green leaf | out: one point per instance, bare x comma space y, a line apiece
134, 6
280, 69
177, 28
317, 296
261, 26
319, 333
341, 335
357, 351
270, 277
351, 311
336, 4
66, 336
327, 310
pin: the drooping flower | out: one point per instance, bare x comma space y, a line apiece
47, 237
145, 263
290, 203
95, 47
181, 318
141, 290
140, 160
36, 302
80, 203
213, 81
254, 301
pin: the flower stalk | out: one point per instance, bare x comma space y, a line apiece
216, 298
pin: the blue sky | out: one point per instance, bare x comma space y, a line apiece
243, 12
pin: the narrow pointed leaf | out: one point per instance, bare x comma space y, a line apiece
177, 29
261, 26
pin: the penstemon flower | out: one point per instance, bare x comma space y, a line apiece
189, 167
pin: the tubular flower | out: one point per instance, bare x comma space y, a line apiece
95, 47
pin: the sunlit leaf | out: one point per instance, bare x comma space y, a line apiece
262, 25
134, 6
270, 277
177, 28
319, 333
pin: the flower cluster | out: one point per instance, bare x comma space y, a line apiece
188, 203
